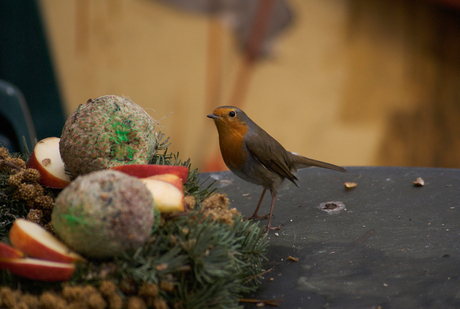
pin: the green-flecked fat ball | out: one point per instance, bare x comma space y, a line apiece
106, 132
103, 213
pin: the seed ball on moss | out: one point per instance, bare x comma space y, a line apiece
103, 213
105, 132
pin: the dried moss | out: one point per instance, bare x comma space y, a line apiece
216, 208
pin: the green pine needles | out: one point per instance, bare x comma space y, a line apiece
209, 264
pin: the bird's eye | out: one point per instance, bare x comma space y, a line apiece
232, 114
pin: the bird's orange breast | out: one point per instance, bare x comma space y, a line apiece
231, 140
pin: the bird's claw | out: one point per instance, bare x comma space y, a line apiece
269, 227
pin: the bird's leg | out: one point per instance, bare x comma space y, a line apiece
255, 215
269, 225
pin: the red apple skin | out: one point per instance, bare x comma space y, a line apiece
38, 269
171, 178
25, 242
147, 170
47, 178
8, 252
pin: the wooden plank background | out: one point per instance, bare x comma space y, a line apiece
352, 82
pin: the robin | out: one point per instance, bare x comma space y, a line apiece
253, 155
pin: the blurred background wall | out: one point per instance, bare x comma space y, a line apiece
351, 82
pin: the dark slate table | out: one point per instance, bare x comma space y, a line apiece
393, 245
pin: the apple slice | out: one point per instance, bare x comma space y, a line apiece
46, 158
38, 269
167, 198
147, 170
8, 252
170, 178
32, 239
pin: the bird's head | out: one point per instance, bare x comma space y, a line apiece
230, 120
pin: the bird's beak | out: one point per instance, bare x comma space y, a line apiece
214, 116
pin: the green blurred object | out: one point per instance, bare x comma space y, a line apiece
25, 62
16, 126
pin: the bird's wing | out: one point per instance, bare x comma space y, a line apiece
271, 154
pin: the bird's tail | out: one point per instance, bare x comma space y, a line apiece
303, 162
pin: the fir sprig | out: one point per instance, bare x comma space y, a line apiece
210, 264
